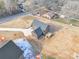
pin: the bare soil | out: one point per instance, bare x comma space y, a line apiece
63, 45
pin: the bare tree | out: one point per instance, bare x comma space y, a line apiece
71, 9
2, 8
10, 5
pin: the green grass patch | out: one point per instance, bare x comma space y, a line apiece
62, 21
74, 22
47, 57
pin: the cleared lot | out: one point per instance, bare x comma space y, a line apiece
63, 45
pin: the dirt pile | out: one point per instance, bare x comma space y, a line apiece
64, 44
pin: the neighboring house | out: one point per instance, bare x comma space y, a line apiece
26, 47
51, 15
46, 16
40, 11
38, 33
10, 51
43, 11
44, 27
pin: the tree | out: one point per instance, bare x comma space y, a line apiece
71, 9
2, 8
49, 4
10, 6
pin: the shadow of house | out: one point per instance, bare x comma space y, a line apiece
54, 28
43, 26
10, 51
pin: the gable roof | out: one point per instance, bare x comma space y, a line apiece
10, 51
37, 24
3, 43
25, 47
38, 32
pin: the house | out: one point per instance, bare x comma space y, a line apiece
51, 15
26, 47
40, 11
46, 16
38, 32
43, 26
10, 51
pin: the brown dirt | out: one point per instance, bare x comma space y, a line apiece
64, 44
22, 22
11, 35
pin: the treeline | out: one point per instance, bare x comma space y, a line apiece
68, 8
2, 9
8, 7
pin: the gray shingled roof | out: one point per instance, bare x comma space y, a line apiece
37, 23
38, 32
10, 51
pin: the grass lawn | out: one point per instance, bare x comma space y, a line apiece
47, 57
74, 22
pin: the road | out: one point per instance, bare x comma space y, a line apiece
5, 19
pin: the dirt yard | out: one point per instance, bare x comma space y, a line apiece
22, 22
63, 45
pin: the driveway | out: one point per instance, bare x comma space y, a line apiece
5, 19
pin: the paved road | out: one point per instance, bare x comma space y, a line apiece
5, 19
